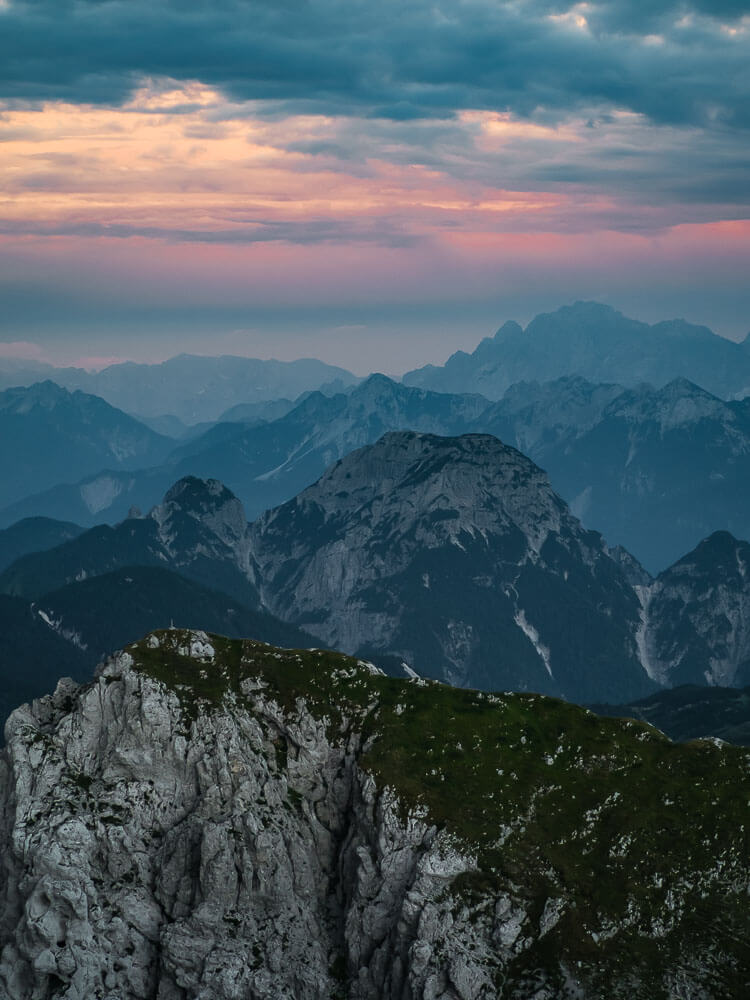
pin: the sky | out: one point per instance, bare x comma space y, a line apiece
374, 184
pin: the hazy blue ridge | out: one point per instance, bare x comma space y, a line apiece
34, 534
655, 470
49, 435
598, 343
189, 387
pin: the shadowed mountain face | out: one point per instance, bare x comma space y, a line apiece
690, 712
34, 534
599, 344
455, 555
106, 612
655, 470
49, 435
33, 657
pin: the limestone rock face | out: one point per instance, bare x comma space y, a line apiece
697, 616
219, 820
456, 556
242, 856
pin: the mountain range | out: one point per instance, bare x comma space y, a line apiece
263, 463
599, 344
453, 556
214, 804
655, 470
188, 388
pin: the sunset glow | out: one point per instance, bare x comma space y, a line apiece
189, 185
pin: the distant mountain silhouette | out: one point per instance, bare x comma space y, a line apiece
34, 534
49, 435
188, 387
598, 343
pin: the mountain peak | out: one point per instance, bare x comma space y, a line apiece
680, 387
375, 383
406, 476
208, 503
198, 497
46, 394
588, 307
412, 446
718, 545
409, 547
508, 331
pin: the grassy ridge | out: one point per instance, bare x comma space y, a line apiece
643, 842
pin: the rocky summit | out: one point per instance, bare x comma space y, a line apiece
220, 819
455, 556
199, 530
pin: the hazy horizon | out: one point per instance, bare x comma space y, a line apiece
342, 343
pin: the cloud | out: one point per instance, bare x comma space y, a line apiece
177, 161
382, 232
20, 350
92, 173
679, 62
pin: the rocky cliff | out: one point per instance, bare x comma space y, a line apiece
455, 555
697, 616
221, 819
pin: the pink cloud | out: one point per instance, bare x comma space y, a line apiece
93, 363
21, 350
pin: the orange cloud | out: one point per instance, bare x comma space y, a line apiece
179, 158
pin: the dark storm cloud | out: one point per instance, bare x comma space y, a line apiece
390, 59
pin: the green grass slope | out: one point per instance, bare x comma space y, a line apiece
643, 842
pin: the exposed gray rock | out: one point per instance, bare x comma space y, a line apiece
697, 616
145, 858
157, 843
456, 556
